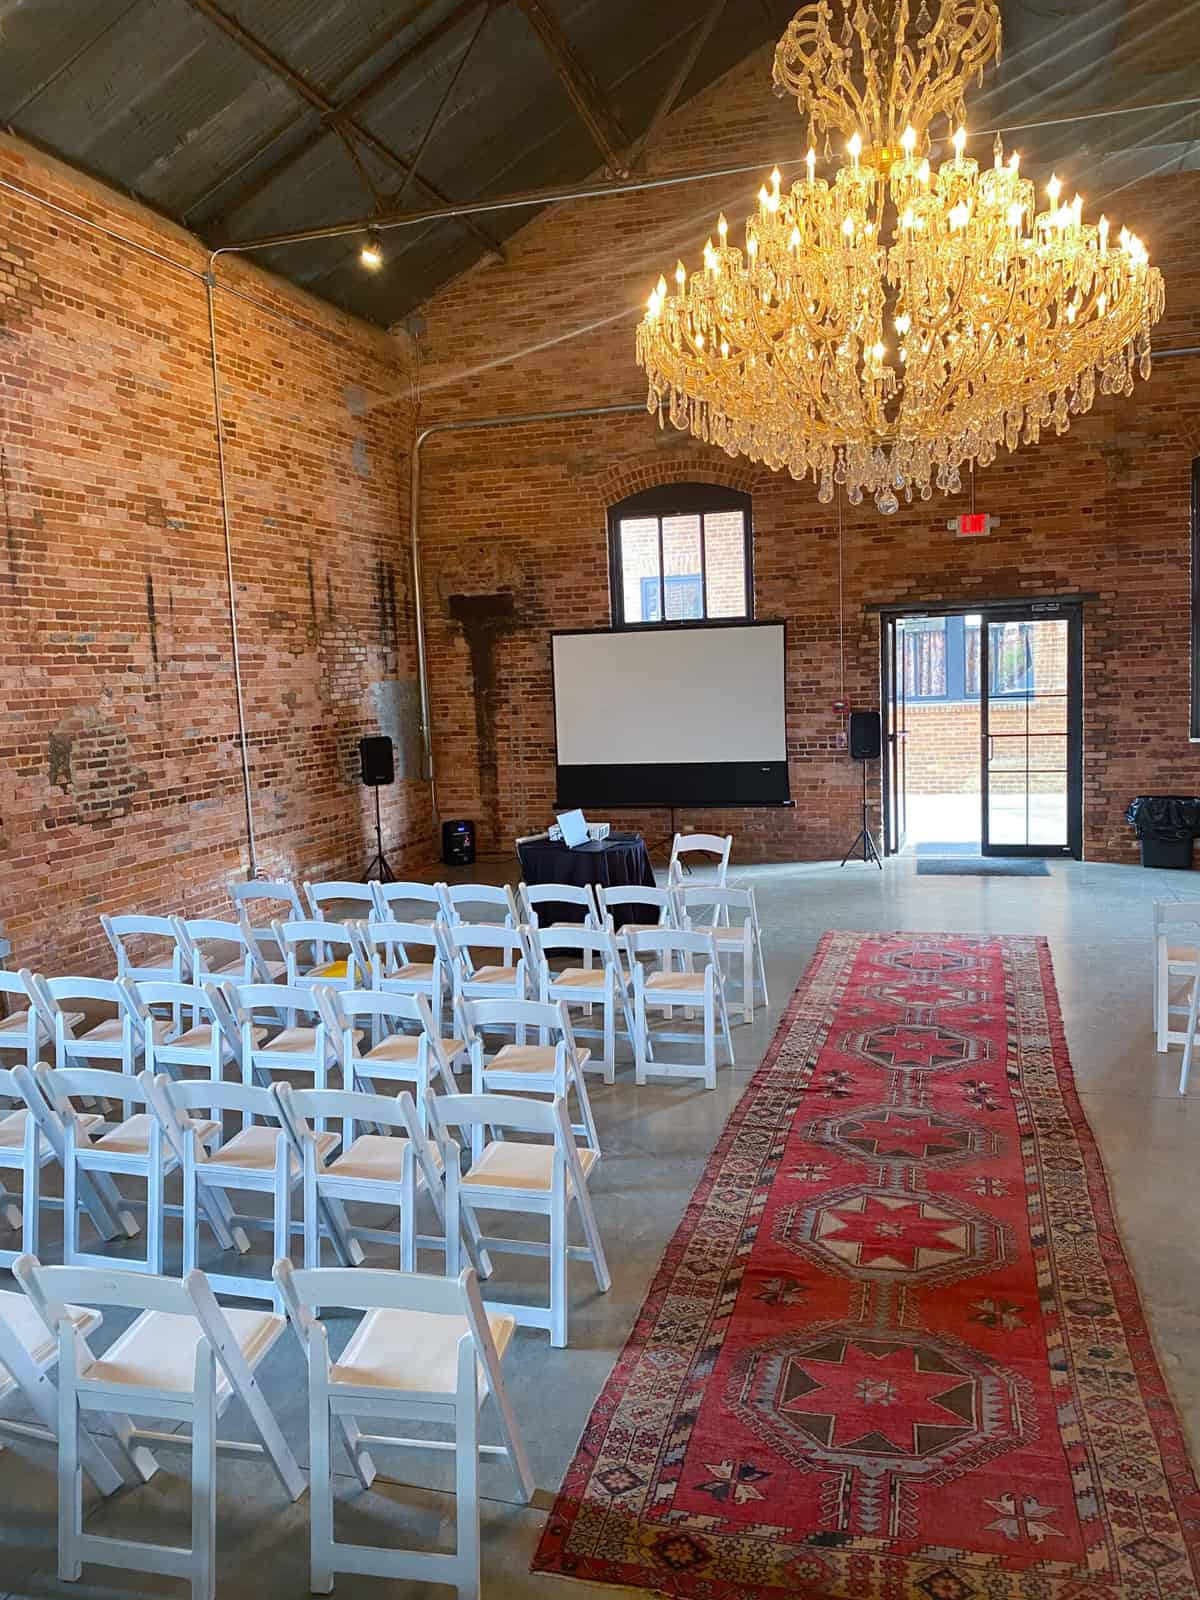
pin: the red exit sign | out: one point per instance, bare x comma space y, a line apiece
973, 525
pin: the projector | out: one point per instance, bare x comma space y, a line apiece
598, 831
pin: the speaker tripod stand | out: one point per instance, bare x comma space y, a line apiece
865, 838
379, 866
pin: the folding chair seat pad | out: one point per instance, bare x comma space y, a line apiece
109, 1031
411, 971
730, 935
254, 1148
507, 1164
579, 978
200, 1038
158, 1351
16, 1310
332, 969
1183, 952
415, 1351
528, 1058
12, 1128
682, 982
404, 1047
132, 1137
18, 1022
493, 975
299, 1041
377, 1156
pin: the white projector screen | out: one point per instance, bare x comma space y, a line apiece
671, 716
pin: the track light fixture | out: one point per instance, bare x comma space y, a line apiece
371, 255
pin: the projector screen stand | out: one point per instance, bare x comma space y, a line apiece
668, 843
865, 838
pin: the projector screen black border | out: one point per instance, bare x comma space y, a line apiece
678, 784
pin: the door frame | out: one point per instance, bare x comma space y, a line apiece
1023, 609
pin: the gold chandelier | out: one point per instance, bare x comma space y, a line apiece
883, 330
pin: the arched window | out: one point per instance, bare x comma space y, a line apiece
681, 553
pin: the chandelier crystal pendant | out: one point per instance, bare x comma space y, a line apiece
886, 328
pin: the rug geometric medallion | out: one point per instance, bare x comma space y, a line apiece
894, 1351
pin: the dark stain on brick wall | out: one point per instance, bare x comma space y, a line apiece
484, 620
152, 621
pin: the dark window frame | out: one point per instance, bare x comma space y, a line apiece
1195, 592
678, 500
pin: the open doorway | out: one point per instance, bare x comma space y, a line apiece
983, 729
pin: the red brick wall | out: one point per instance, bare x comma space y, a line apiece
515, 518
120, 777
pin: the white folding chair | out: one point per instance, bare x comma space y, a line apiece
299, 1046
705, 844
281, 902
360, 898
135, 1148
426, 1351
731, 917
1176, 956
554, 1066
24, 1031
127, 935
257, 1159
319, 952
225, 952
96, 1193
387, 1165
461, 902
678, 986
115, 1042
28, 1354
421, 1058
183, 1359
393, 902
600, 981
208, 1045
471, 978
532, 898
508, 1174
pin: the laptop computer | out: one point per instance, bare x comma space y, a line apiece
574, 828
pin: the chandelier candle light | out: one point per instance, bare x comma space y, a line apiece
886, 329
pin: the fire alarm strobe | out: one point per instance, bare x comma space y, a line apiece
973, 525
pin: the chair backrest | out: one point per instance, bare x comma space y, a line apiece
480, 1015
673, 941
715, 901
383, 942
58, 996
390, 896
532, 895
1176, 913
461, 939
13, 983
121, 930
328, 942
61, 1086
250, 1000
347, 1006
459, 898
10, 1089
195, 933
592, 941
244, 895
177, 1099
636, 894
709, 844
303, 1112
381, 1289
327, 892
478, 1113
53, 1289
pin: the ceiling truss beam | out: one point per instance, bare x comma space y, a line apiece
339, 118
594, 111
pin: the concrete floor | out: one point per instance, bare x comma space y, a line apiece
656, 1140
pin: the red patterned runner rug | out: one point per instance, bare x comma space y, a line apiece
894, 1349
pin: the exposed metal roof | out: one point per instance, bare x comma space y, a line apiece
244, 118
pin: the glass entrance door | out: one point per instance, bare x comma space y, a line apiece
895, 775
1030, 699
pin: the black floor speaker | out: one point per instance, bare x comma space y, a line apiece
866, 737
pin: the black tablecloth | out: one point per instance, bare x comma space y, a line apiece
611, 862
